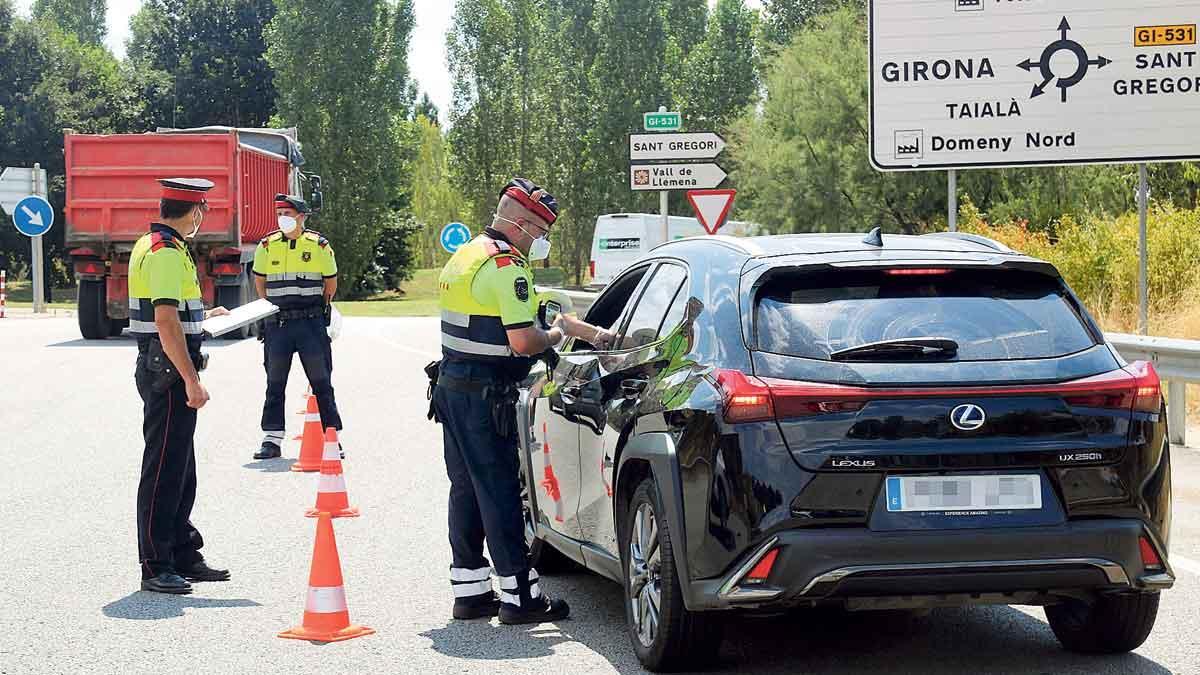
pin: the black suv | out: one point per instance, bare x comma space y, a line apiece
879, 423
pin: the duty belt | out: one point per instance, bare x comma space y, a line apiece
302, 313
473, 386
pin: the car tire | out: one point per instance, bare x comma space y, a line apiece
1113, 624
543, 557
666, 636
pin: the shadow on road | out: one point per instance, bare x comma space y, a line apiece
144, 606
276, 465
950, 641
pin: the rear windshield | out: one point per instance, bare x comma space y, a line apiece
991, 314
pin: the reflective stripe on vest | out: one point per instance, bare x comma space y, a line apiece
141, 317
470, 329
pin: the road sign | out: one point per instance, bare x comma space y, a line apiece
33, 216
16, 183
453, 236
675, 176
662, 121
975, 83
712, 207
698, 145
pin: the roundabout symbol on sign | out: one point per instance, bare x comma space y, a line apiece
1062, 44
453, 236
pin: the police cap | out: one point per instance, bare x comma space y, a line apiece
523, 190
290, 202
191, 190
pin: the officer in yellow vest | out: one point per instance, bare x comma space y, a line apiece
490, 336
295, 269
165, 311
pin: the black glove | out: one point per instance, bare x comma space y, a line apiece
328, 314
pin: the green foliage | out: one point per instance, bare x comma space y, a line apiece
84, 18
549, 276
202, 62
436, 200
342, 77
784, 18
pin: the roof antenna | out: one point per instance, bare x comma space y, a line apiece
875, 238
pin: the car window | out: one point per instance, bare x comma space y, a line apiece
611, 304
647, 317
990, 314
676, 313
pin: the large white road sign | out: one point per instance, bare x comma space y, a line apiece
977, 83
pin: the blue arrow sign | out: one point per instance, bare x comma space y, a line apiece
33, 216
454, 235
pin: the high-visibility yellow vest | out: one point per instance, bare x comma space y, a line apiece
161, 272
295, 269
486, 290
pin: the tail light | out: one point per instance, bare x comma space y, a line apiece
763, 569
89, 267
917, 272
1150, 559
1137, 388
747, 398
226, 269
751, 399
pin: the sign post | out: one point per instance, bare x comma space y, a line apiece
33, 217
1143, 252
952, 200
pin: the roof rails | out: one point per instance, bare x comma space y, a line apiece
974, 238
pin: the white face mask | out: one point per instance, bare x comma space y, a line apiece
196, 222
539, 248
287, 224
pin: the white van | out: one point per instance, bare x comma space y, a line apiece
622, 238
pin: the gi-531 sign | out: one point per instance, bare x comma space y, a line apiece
968, 83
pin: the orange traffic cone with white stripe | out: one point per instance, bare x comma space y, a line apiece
326, 617
331, 484
312, 445
308, 395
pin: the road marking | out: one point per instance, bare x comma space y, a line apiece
1186, 564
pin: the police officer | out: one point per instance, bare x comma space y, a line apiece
489, 338
295, 269
165, 311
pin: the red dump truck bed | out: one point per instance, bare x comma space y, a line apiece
112, 193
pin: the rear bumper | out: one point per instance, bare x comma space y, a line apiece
1016, 563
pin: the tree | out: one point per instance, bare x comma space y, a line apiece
436, 200
426, 108
202, 62
721, 72
84, 18
342, 79
785, 18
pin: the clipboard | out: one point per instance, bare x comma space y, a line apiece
239, 317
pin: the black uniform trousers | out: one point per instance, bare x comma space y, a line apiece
167, 540
308, 338
484, 471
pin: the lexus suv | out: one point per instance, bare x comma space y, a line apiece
895, 422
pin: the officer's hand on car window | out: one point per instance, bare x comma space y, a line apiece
216, 311
197, 395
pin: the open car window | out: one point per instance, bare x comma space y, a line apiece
646, 319
611, 306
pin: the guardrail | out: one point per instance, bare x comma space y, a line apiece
1177, 362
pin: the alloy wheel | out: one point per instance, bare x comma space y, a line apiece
645, 575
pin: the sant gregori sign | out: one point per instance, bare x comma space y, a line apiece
985, 83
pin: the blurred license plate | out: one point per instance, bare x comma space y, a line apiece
964, 493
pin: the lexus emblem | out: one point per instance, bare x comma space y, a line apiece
968, 417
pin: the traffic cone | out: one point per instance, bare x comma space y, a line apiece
326, 618
307, 395
331, 485
549, 480
312, 444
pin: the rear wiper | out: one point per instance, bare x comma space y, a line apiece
904, 348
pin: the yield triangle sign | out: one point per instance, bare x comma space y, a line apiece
712, 207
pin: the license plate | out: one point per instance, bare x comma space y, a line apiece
964, 493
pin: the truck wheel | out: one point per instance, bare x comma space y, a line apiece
1113, 624
93, 314
117, 326
665, 635
230, 297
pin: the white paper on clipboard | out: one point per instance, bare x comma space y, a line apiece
237, 318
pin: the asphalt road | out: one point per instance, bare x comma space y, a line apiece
71, 445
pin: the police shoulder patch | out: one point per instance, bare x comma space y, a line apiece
306, 256
521, 288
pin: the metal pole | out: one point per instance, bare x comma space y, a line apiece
663, 206
952, 199
39, 291
1143, 252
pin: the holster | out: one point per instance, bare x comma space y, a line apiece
432, 371
165, 373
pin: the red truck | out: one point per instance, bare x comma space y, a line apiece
113, 195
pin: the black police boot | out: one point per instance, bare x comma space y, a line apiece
167, 582
200, 571
268, 450
478, 607
533, 607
